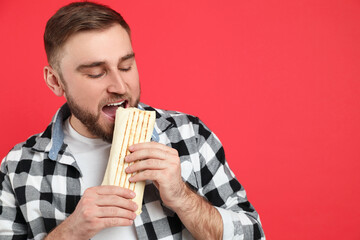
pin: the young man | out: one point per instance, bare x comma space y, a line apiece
49, 185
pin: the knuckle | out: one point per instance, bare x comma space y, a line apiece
148, 174
93, 224
87, 201
90, 191
147, 152
163, 155
87, 214
177, 165
147, 163
111, 222
119, 191
114, 200
174, 151
87, 193
113, 212
153, 162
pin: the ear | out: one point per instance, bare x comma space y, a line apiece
53, 81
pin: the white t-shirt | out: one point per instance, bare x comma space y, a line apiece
92, 155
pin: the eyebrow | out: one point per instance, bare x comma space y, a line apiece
128, 56
101, 63
90, 65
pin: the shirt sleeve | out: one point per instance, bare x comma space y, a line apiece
219, 186
12, 222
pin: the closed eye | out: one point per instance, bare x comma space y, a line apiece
125, 69
96, 76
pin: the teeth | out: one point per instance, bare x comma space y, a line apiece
116, 104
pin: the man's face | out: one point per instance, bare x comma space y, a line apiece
98, 68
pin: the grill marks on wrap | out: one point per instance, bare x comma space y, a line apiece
120, 157
136, 131
133, 120
141, 135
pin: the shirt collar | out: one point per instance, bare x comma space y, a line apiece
52, 139
58, 132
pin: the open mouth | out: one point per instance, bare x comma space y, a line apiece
110, 109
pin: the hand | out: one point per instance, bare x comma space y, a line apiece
161, 164
100, 207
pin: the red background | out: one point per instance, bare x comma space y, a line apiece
276, 80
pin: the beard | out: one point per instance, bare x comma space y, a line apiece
92, 121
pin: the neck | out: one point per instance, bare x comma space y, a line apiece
79, 127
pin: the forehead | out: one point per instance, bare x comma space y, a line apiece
106, 45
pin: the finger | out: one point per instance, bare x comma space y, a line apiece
152, 145
114, 190
106, 212
115, 222
147, 153
153, 175
116, 201
153, 164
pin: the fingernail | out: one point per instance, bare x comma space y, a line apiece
131, 148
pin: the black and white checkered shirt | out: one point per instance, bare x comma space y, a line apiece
40, 183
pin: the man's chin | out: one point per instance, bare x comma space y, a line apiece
103, 132
99, 125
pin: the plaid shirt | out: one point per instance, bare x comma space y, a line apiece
40, 183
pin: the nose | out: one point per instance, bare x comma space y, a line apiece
116, 83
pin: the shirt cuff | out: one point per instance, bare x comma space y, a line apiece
228, 225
